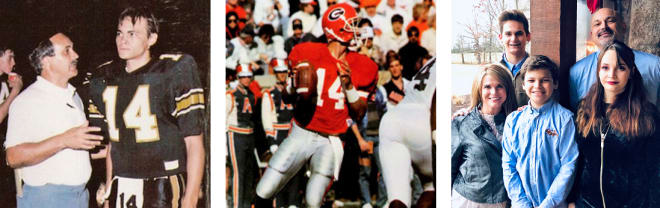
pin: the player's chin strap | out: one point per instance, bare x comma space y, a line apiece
338, 149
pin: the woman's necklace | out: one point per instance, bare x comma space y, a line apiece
602, 147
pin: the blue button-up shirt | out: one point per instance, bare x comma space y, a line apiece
539, 155
515, 68
583, 75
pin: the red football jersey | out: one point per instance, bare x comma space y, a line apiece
331, 115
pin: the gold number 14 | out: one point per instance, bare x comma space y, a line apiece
136, 116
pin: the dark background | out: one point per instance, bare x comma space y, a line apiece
92, 25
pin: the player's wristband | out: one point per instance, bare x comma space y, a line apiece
352, 95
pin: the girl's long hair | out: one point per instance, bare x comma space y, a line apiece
629, 114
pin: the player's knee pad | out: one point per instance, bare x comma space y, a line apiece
316, 188
270, 183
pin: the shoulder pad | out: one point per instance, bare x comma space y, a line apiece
177, 62
105, 69
173, 57
176, 58
104, 64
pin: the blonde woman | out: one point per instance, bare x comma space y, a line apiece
476, 161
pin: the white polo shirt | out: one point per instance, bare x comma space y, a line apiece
41, 111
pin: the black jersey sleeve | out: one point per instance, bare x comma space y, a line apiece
188, 104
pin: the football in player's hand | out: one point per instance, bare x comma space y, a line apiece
305, 80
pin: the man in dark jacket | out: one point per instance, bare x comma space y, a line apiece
412, 53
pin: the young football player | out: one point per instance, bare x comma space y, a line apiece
152, 107
323, 109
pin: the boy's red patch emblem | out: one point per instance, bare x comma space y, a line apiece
551, 132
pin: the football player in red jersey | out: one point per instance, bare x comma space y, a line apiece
152, 108
345, 78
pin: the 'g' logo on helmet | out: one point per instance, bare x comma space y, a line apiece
336, 14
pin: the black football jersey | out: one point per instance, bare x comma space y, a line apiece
147, 113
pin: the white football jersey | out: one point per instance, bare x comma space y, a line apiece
422, 86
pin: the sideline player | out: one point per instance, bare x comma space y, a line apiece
152, 108
313, 137
404, 137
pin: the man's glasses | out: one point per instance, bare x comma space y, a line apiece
232, 20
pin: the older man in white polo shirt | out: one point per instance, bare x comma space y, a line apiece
47, 133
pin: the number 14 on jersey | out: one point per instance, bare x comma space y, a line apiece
137, 115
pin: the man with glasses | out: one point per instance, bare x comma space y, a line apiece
233, 6
297, 36
232, 29
411, 53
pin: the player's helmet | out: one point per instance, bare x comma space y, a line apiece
340, 23
244, 70
279, 65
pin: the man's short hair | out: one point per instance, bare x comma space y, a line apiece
267, 29
297, 24
3, 48
136, 13
513, 15
43, 49
410, 31
390, 59
5, 43
364, 21
541, 62
397, 18
248, 29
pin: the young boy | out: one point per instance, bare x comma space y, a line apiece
539, 152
